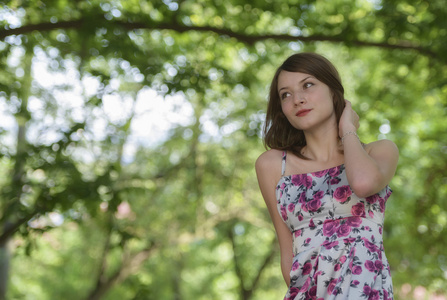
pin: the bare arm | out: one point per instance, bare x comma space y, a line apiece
368, 169
268, 173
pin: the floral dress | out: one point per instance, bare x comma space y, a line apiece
337, 237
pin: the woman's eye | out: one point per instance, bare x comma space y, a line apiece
285, 95
308, 85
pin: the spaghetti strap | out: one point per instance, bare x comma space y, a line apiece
283, 170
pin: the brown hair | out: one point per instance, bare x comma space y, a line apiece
278, 132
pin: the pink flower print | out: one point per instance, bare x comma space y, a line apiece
319, 273
304, 207
378, 264
354, 221
283, 185
307, 181
355, 282
295, 265
388, 193
307, 241
320, 174
349, 240
337, 267
382, 204
334, 171
371, 214
311, 224
372, 199
380, 230
300, 218
329, 245
293, 292
330, 227
370, 246
331, 286
357, 270
305, 285
358, 210
283, 213
307, 267
302, 179
296, 180
302, 198
374, 295
318, 195
366, 290
314, 205
313, 292
342, 259
344, 230
342, 193
369, 265
291, 207
335, 180
298, 233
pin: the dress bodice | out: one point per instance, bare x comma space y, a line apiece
337, 237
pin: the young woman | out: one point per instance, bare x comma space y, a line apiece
325, 190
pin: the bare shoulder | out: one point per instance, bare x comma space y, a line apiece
268, 160
268, 165
384, 150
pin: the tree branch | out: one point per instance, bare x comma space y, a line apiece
41, 27
128, 266
245, 38
103, 265
237, 267
246, 292
11, 228
266, 262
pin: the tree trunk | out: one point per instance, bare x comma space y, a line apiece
4, 266
22, 117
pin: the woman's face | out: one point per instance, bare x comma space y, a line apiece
305, 101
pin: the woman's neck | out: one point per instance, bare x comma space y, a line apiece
323, 145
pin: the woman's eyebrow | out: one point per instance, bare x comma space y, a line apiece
299, 82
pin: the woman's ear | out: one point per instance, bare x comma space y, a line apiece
333, 95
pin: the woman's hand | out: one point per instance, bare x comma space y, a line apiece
349, 120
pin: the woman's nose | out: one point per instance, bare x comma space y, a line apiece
299, 98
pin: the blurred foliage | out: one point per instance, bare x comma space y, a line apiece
91, 210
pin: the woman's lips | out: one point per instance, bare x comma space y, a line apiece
302, 112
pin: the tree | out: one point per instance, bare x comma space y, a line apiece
69, 157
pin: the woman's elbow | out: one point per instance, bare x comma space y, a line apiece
365, 187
